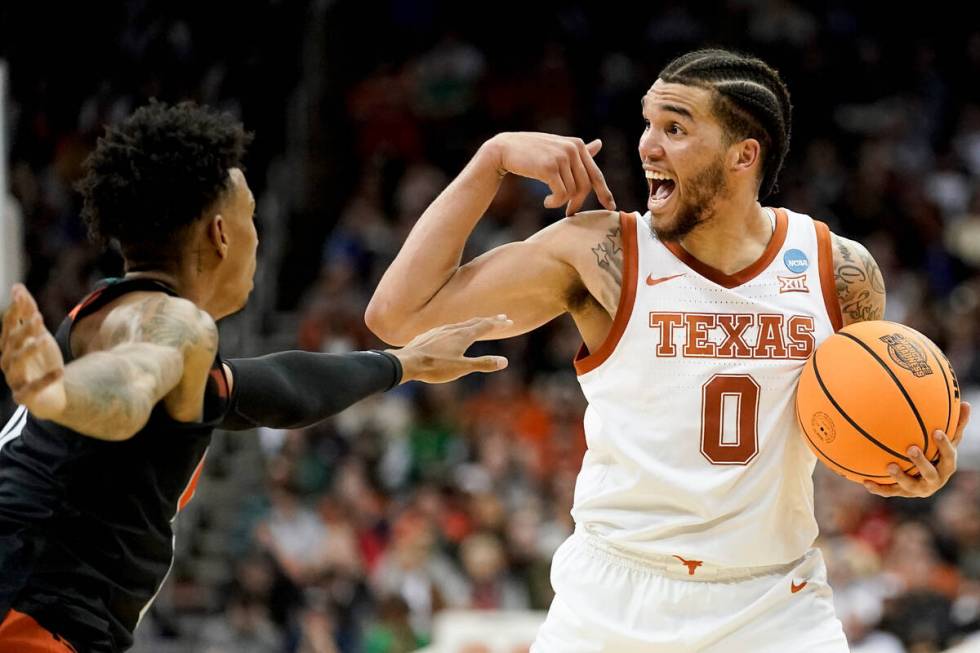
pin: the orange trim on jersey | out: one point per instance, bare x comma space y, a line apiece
221, 381
746, 274
188, 493
21, 633
585, 362
73, 313
825, 261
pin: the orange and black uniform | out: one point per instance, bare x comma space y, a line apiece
85, 524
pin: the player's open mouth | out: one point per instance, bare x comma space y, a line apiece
661, 189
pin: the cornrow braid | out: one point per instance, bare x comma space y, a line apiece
750, 99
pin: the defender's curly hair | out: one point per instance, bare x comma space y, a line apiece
157, 173
751, 100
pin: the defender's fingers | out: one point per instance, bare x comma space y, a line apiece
486, 325
486, 363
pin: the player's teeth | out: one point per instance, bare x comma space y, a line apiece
656, 175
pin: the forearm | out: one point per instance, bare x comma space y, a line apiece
294, 389
111, 394
432, 252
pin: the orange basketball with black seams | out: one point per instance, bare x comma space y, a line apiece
869, 392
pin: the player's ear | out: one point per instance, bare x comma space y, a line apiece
217, 235
744, 154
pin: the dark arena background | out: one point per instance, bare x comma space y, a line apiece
379, 530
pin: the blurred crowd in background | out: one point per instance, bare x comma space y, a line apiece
351, 535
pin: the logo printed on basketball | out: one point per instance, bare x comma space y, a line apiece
824, 427
907, 354
792, 284
796, 261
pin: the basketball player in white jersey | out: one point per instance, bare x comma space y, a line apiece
694, 506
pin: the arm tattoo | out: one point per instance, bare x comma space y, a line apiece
609, 255
159, 323
860, 286
111, 393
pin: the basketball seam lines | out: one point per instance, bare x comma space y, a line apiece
942, 371
840, 410
908, 399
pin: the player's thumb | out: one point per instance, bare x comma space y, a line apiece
552, 201
594, 147
487, 363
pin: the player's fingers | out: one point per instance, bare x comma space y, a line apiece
568, 180
926, 469
947, 455
14, 311
559, 192
26, 392
903, 480
582, 186
882, 490
485, 363
486, 325
602, 191
965, 410
30, 328
594, 147
27, 300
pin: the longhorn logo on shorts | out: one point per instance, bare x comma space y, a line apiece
691, 564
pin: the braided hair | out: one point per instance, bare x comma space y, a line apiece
750, 99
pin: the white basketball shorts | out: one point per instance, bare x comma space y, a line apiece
610, 602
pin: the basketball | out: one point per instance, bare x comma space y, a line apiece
869, 392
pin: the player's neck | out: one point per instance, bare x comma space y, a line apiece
733, 238
184, 280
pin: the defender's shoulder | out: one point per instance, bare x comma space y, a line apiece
161, 319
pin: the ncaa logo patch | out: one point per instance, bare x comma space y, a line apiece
796, 261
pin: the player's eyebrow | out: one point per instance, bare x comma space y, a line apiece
673, 108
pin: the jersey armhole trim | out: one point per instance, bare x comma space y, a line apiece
825, 261
586, 362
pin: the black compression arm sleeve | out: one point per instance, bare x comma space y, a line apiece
293, 389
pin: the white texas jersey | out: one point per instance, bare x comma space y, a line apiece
694, 449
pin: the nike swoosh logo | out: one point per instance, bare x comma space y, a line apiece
653, 282
794, 588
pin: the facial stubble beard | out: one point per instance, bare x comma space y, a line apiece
703, 191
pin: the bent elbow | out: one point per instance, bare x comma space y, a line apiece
378, 320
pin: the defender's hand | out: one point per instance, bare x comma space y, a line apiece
931, 477
436, 356
31, 359
562, 162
